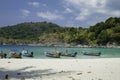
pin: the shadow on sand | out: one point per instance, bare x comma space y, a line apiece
29, 73
23, 73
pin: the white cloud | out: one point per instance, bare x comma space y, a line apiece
83, 14
95, 6
85, 8
68, 10
49, 15
93, 11
25, 12
86, 3
116, 13
35, 4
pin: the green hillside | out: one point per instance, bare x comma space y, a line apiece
106, 32
102, 33
26, 32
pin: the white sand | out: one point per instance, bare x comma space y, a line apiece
60, 69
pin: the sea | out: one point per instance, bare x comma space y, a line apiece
39, 51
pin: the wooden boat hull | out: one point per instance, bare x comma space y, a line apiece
69, 55
92, 53
3, 55
52, 55
15, 55
28, 54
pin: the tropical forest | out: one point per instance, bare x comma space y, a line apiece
102, 33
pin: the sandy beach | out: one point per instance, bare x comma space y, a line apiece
60, 69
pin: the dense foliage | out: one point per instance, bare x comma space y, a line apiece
102, 33
106, 32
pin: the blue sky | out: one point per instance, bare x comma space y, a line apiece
76, 13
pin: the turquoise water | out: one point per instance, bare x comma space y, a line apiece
39, 51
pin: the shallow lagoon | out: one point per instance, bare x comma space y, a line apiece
39, 51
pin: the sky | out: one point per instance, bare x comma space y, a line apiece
77, 13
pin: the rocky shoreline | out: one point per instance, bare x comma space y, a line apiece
69, 45
75, 45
